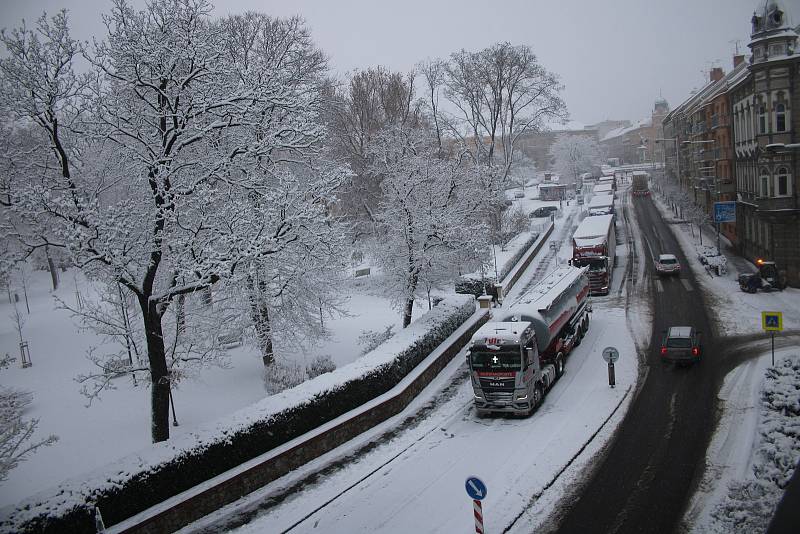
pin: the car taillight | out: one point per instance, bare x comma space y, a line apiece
695, 351
663, 351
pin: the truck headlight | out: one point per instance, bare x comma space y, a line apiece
521, 396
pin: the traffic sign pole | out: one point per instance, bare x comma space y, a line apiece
476, 490
476, 506
773, 348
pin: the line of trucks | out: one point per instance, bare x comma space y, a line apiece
516, 358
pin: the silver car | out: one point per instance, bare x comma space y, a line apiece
667, 264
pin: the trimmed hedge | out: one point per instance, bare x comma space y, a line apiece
512, 262
120, 494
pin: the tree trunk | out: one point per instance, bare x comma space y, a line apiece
159, 373
408, 307
52, 267
259, 314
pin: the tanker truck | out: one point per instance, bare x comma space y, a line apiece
516, 358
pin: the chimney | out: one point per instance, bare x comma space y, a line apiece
716, 74
738, 59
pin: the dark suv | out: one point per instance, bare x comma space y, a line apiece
681, 344
544, 211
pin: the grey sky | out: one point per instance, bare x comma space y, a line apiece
613, 56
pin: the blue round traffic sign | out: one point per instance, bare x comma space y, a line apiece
476, 489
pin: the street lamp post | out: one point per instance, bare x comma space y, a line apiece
677, 155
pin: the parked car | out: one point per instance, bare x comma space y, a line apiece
519, 194
681, 344
544, 211
667, 264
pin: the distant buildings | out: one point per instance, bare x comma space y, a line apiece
736, 139
635, 143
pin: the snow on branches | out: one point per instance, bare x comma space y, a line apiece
429, 218
190, 157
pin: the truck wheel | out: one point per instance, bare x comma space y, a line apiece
538, 395
559, 365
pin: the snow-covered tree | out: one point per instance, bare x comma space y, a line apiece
370, 101
428, 218
573, 155
180, 168
501, 93
15, 432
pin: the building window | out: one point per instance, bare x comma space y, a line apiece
782, 183
762, 119
763, 190
780, 117
776, 49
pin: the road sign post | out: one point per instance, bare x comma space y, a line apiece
723, 212
610, 355
772, 322
476, 490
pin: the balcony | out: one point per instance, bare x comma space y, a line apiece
767, 204
719, 120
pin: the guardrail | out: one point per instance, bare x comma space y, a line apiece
514, 274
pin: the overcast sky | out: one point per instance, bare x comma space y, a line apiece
615, 57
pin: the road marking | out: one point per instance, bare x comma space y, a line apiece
659, 286
686, 284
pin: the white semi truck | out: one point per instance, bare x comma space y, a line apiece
516, 358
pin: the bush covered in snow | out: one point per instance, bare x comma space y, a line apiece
282, 375
512, 261
370, 340
320, 365
750, 504
139, 481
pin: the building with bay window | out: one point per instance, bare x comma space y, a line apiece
766, 143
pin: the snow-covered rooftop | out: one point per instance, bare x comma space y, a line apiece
618, 132
601, 201
595, 226
603, 187
501, 332
542, 295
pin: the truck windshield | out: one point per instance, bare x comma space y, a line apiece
594, 265
496, 360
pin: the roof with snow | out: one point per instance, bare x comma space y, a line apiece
501, 332
601, 201
552, 286
593, 227
619, 132
604, 187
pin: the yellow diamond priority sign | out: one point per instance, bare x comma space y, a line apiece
772, 321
